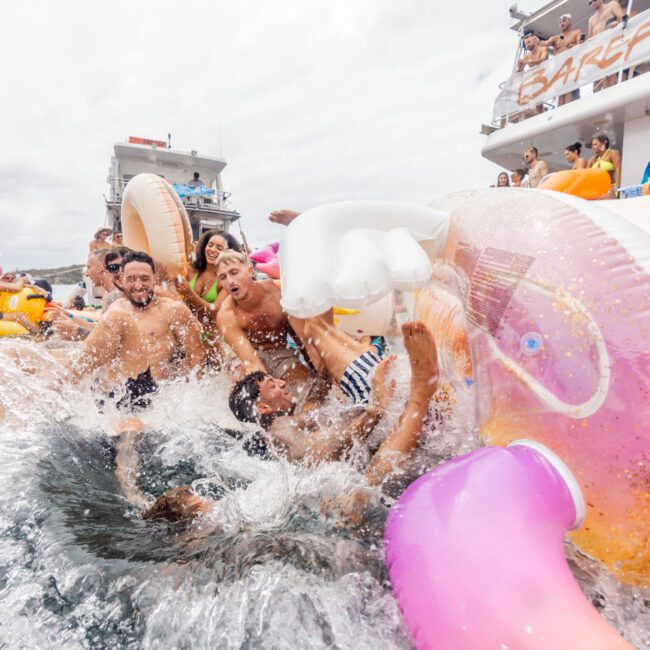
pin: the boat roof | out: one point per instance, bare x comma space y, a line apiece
172, 159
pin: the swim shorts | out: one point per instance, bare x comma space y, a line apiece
356, 382
135, 393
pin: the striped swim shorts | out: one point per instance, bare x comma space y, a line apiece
356, 382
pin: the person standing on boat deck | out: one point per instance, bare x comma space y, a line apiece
503, 180
606, 15
536, 54
537, 169
254, 324
566, 39
196, 181
517, 177
572, 155
99, 241
608, 159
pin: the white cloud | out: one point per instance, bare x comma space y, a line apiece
317, 102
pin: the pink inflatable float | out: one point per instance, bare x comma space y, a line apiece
266, 260
549, 296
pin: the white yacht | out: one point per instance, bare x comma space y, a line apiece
526, 111
205, 200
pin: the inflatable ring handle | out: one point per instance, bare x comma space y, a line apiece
35, 296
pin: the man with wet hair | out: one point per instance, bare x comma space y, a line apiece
537, 169
566, 39
295, 430
253, 322
142, 339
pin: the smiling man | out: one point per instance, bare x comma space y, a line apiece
142, 339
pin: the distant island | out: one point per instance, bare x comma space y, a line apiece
62, 275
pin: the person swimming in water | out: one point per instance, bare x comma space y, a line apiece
294, 433
141, 340
254, 324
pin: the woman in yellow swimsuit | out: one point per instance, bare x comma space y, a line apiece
607, 159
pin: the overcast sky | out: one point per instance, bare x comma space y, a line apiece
317, 102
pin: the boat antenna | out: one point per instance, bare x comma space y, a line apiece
169, 140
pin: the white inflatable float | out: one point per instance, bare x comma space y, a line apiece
154, 220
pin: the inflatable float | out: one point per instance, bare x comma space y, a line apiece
540, 300
154, 220
28, 301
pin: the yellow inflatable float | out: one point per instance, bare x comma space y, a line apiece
28, 301
154, 220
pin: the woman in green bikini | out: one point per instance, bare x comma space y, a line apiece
200, 290
607, 159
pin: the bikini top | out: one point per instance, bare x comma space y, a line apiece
604, 164
211, 296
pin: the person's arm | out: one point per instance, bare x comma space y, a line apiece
521, 64
126, 462
617, 12
616, 161
575, 39
236, 338
550, 42
192, 299
187, 330
12, 287
590, 31
101, 345
543, 170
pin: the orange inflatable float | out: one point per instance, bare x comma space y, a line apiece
591, 183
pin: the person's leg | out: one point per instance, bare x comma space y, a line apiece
283, 217
423, 359
335, 348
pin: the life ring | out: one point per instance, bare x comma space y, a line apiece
10, 328
552, 292
154, 220
591, 183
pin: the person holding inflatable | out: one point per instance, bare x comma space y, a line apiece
9, 284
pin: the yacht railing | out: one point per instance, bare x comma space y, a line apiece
217, 201
612, 57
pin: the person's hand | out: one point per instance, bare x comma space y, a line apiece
382, 389
183, 286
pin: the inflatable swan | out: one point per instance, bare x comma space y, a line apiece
548, 296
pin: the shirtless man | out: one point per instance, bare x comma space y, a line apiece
253, 322
537, 169
517, 178
536, 54
566, 39
142, 339
606, 15
296, 435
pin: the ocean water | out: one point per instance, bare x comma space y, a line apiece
268, 567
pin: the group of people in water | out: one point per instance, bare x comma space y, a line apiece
223, 317
604, 158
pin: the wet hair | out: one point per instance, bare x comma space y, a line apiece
201, 260
575, 148
602, 138
173, 506
244, 396
138, 256
230, 257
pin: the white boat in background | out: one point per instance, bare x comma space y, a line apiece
621, 111
207, 204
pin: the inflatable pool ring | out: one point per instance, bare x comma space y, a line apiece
266, 260
154, 220
553, 289
591, 183
28, 301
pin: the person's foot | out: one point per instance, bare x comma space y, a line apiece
423, 357
283, 217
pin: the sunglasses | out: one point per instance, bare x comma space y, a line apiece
113, 268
